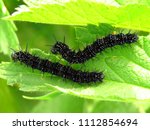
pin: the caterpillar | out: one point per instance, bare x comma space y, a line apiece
56, 68
91, 50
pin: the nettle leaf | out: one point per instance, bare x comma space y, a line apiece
132, 16
38, 2
126, 2
126, 69
8, 38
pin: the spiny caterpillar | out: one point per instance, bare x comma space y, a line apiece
91, 50
56, 68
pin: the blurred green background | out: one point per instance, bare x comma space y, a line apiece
39, 36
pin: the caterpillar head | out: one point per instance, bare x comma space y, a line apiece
56, 48
15, 56
18, 55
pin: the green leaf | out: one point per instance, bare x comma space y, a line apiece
23, 77
109, 91
126, 2
8, 38
132, 16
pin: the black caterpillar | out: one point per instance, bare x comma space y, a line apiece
56, 68
91, 50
